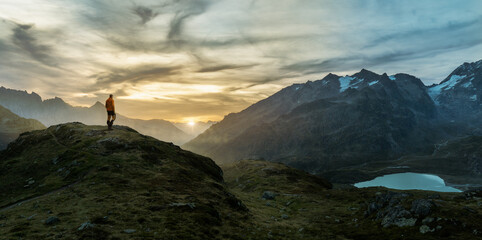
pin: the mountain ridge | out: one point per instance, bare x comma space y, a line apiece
55, 111
336, 122
110, 181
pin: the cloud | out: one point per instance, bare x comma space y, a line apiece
133, 75
24, 38
217, 68
3, 46
146, 14
402, 46
186, 9
450, 32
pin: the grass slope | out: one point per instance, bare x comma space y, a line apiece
112, 182
12, 125
305, 207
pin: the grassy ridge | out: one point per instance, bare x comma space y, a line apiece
118, 180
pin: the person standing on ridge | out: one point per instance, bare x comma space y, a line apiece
110, 106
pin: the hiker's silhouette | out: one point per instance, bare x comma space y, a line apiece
110, 106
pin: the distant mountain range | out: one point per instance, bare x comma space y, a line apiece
338, 122
12, 125
56, 111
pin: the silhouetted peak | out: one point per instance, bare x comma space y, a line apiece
385, 77
466, 69
20, 95
409, 78
366, 74
97, 105
55, 101
331, 75
365, 71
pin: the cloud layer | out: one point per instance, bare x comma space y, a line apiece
187, 60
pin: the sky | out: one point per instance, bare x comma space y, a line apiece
198, 60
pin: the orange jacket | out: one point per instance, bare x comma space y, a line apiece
109, 104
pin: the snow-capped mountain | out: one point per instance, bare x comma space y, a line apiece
342, 121
313, 125
459, 95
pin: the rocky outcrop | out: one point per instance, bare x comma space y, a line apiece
389, 209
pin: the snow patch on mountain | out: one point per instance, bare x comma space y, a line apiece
373, 83
436, 90
354, 84
349, 82
454, 79
467, 84
345, 83
393, 78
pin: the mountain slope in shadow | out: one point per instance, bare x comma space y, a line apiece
348, 122
12, 125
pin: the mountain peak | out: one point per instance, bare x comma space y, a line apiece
363, 70
55, 99
97, 105
467, 69
366, 74
331, 75
56, 102
18, 95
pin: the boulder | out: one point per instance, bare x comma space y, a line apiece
422, 207
52, 220
85, 226
425, 229
268, 195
